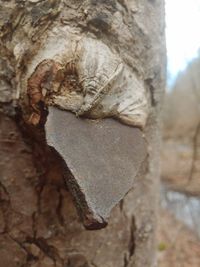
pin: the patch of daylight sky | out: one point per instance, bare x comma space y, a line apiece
182, 33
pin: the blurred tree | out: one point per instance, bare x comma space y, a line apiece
181, 131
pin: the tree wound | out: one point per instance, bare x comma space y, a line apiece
101, 161
101, 158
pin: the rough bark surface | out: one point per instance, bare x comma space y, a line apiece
39, 225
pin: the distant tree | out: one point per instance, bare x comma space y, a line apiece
181, 130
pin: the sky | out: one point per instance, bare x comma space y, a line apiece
182, 34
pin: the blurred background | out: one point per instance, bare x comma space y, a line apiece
179, 224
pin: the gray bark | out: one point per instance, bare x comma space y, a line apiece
39, 225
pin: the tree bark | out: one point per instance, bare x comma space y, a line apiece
39, 225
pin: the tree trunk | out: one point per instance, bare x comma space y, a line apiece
39, 225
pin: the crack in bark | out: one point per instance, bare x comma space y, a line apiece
5, 207
93, 264
121, 205
126, 261
59, 207
35, 214
34, 224
5, 190
132, 237
132, 243
48, 250
29, 256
